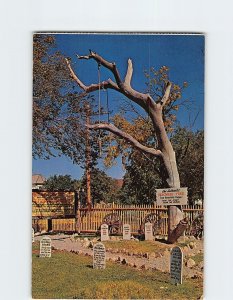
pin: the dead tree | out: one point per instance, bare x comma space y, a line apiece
164, 150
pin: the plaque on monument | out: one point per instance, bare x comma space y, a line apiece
176, 265
126, 232
33, 233
45, 247
99, 256
148, 232
104, 232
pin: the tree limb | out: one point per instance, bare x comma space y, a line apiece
100, 60
144, 100
129, 73
166, 94
126, 136
93, 87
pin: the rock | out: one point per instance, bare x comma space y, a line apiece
182, 239
190, 263
86, 244
142, 267
124, 262
85, 239
192, 238
186, 250
201, 265
152, 255
197, 275
166, 252
130, 264
192, 245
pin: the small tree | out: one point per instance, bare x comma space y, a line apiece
154, 108
59, 183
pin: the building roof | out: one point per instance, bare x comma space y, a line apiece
38, 179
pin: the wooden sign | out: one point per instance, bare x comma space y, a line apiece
53, 204
176, 265
148, 232
99, 256
104, 232
33, 234
172, 196
45, 247
126, 232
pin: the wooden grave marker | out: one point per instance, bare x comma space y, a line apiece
104, 232
45, 247
148, 232
126, 232
99, 256
176, 265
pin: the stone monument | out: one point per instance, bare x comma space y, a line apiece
104, 232
45, 247
126, 232
176, 265
99, 256
148, 232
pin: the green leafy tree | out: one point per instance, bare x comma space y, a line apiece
59, 110
144, 175
103, 187
59, 183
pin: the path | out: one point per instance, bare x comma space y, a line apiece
65, 242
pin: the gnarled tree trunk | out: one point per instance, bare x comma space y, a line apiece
164, 149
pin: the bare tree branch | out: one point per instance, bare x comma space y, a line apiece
166, 94
100, 60
126, 136
129, 73
93, 87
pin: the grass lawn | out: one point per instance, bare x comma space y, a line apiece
137, 247
69, 276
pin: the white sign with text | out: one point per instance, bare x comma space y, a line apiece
172, 196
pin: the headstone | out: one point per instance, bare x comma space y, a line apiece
148, 232
33, 233
176, 265
126, 232
45, 247
104, 232
99, 256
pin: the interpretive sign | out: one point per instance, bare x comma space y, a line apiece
99, 256
33, 233
45, 247
148, 232
172, 196
104, 232
53, 204
176, 265
126, 232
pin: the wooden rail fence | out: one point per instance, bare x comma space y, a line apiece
134, 215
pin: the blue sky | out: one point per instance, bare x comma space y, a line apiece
183, 54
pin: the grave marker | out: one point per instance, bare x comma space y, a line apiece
148, 232
104, 232
33, 234
176, 265
126, 232
45, 247
99, 256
